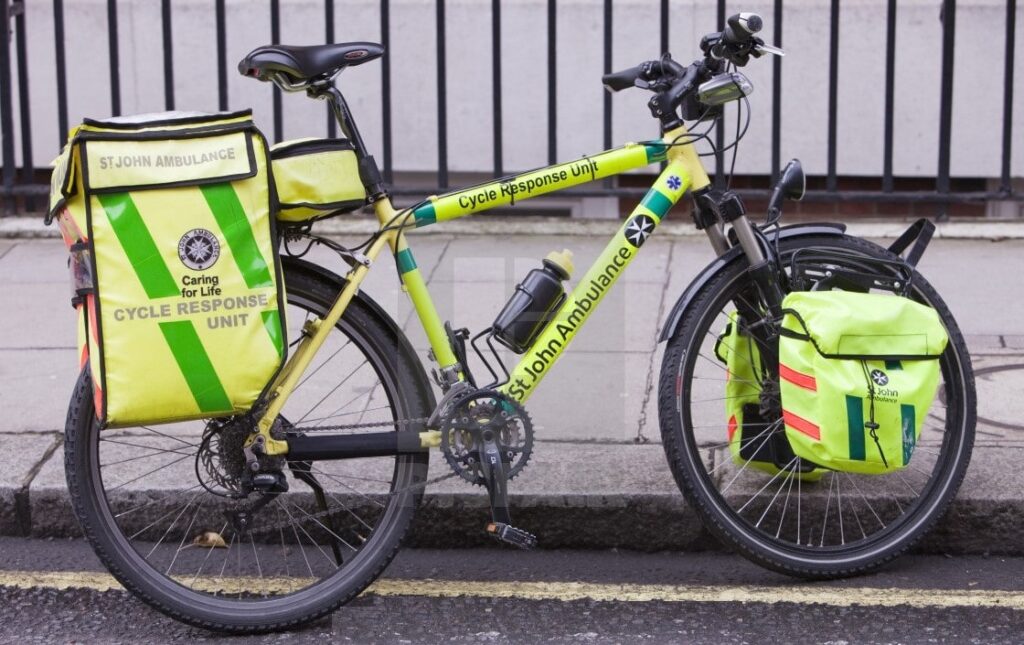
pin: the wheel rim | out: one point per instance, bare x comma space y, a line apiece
290, 554
844, 516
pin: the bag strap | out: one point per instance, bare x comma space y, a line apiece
920, 234
718, 342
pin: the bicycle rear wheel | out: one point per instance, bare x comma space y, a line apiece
830, 524
152, 501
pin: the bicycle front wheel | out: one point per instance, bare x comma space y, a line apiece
156, 503
823, 524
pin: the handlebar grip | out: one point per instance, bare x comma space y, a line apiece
622, 80
740, 27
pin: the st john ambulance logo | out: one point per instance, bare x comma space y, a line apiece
198, 249
638, 230
879, 377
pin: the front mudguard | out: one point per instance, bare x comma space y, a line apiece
786, 232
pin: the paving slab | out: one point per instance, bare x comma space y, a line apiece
35, 261
975, 278
1013, 341
6, 246
985, 343
1000, 382
37, 315
35, 387
20, 456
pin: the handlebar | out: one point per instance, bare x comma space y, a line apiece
674, 83
646, 75
617, 81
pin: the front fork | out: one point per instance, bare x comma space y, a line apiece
712, 210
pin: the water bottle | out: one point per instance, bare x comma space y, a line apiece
534, 303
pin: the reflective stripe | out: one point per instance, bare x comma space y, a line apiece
234, 224
195, 366
732, 427
138, 245
405, 261
657, 203
855, 427
425, 214
272, 323
656, 152
797, 378
908, 422
802, 425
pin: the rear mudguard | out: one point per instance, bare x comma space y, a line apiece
734, 254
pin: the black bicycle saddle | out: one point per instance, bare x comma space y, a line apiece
303, 63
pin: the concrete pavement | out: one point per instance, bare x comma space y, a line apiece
597, 406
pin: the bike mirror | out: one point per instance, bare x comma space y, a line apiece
792, 184
793, 181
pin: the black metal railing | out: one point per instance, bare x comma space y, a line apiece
22, 187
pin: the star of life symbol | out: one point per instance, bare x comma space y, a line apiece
639, 229
879, 377
198, 249
674, 182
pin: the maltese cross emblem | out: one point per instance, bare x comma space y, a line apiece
639, 229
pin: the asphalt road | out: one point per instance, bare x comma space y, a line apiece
453, 597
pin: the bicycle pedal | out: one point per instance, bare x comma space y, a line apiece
511, 535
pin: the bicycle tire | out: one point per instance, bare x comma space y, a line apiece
683, 450
406, 387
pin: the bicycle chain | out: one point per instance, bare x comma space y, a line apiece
354, 426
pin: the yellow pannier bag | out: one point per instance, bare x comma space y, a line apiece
858, 373
316, 178
174, 267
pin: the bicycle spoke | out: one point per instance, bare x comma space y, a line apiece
746, 463
332, 391
828, 504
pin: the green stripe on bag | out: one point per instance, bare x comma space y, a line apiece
234, 223
908, 422
855, 427
272, 323
138, 245
195, 366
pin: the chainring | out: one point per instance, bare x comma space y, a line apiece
475, 413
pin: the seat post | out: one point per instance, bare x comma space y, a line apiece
369, 173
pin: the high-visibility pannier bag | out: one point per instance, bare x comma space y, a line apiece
316, 178
174, 267
858, 373
754, 442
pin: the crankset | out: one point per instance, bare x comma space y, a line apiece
487, 439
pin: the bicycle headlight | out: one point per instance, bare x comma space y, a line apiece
724, 87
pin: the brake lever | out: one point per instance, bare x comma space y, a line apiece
761, 49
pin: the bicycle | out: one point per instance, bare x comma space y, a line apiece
342, 456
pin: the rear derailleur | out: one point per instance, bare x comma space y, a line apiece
487, 438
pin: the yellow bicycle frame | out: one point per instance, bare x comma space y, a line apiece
682, 172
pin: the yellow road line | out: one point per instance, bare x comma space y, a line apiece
800, 593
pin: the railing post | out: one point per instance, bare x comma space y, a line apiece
942, 183
24, 109
6, 122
